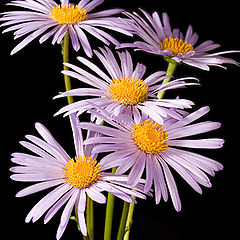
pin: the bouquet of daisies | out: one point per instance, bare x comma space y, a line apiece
135, 137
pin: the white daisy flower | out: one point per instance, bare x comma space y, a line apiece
147, 145
157, 37
123, 90
73, 179
47, 19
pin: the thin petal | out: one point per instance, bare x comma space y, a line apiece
96, 195
172, 187
66, 214
208, 143
77, 135
38, 187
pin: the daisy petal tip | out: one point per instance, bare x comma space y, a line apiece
38, 125
45, 221
59, 233
157, 199
206, 109
221, 143
55, 114
34, 220
200, 191
29, 137
149, 194
90, 55
178, 208
55, 97
12, 52
64, 72
22, 143
28, 219
84, 233
221, 167
13, 177
58, 237
209, 184
66, 114
135, 201
18, 195
58, 113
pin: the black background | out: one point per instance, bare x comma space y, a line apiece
31, 78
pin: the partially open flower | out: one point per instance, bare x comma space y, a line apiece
157, 37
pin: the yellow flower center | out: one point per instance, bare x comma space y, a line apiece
83, 172
150, 137
68, 14
176, 45
128, 91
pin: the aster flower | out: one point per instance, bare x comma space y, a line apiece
154, 147
159, 38
49, 19
73, 179
124, 90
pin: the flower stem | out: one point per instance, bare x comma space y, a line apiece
122, 225
65, 52
170, 71
90, 218
109, 214
129, 220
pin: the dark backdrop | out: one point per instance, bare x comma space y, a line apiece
31, 78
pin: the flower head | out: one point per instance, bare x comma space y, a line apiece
73, 179
123, 90
150, 137
68, 14
159, 38
49, 19
154, 147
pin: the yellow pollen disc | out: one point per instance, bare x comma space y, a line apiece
150, 137
128, 91
176, 45
68, 14
83, 172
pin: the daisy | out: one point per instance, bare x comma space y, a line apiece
124, 90
154, 147
73, 179
49, 19
159, 38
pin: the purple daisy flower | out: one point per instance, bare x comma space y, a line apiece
57, 19
159, 38
154, 147
73, 179
124, 90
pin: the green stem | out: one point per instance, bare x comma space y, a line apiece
129, 220
109, 214
122, 228
65, 52
170, 71
90, 218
